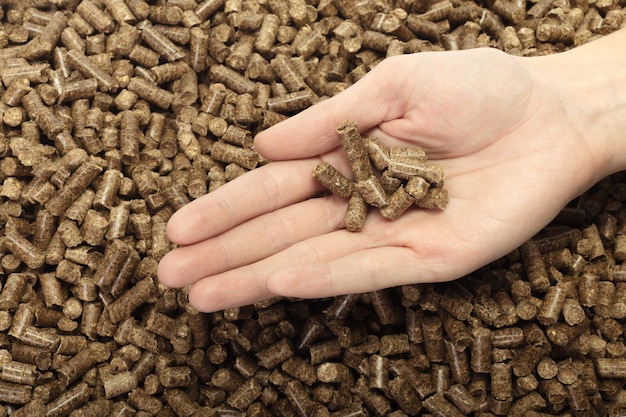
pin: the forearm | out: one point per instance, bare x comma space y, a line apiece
591, 80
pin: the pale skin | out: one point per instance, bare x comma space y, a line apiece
518, 139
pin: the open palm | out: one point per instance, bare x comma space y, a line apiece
504, 137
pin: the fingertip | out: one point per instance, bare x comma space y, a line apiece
306, 134
181, 228
173, 230
270, 143
262, 144
165, 275
202, 301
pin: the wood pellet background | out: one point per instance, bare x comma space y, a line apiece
115, 113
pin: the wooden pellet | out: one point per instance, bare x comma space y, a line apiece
332, 179
150, 92
225, 152
438, 405
122, 307
12, 393
355, 150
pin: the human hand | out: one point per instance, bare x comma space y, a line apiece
502, 132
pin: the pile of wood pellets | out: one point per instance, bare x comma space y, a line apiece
115, 113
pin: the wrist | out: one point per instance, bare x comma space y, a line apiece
591, 83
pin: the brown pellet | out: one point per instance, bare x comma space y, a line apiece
22, 318
324, 351
535, 267
22, 248
417, 187
15, 91
355, 150
552, 305
460, 396
225, 152
439, 406
332, 372
41, 114
244, 395
12, 393
69, 401
578, 399
121, 308
373, 193
232, 79
267, 33
19, 373
80, 363
117, 384
526, 359
236, 135
458, 361
99, 408
275, 354
397, 204
610, 367
288, 73
573, 312
85, 66
501, 377
432, 327
150, 92
507, 338
198, 45
13, 289
550, 31
160, 43
73, 188
175, 376
356, 213
405, 168
333, 180
106, 193
291, 102
378, 153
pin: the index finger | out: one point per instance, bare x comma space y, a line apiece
370, 101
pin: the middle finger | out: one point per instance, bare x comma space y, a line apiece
251, 241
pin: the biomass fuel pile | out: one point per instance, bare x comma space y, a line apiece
115, 113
